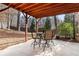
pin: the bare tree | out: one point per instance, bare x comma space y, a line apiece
18, 21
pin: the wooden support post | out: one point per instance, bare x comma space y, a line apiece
26, 34
26, 31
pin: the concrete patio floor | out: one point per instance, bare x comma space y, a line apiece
61, 48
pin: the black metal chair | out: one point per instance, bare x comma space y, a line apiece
37, 38
48, 36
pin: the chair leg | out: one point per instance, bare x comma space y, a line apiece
49, 46
34, 43
53, 42
39, 42
45, 45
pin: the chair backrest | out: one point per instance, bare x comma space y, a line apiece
33, 35
49, 34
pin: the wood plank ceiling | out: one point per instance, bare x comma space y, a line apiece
39, 10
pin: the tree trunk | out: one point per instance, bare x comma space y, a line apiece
55, 22
1, 25
18, 22
73, 26
8, 21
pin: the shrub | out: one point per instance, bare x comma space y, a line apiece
66, 29
47, 24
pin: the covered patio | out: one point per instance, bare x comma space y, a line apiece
39, 10
61, 48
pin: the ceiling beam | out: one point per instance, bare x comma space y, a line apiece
31, 6
48, 7
42, 6
4, 9
21, 5
58, 12
63, 7
37, 10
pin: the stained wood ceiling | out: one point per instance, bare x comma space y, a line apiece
39, 10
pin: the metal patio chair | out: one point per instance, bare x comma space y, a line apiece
48, 37
37, 39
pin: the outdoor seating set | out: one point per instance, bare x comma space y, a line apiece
43, 39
